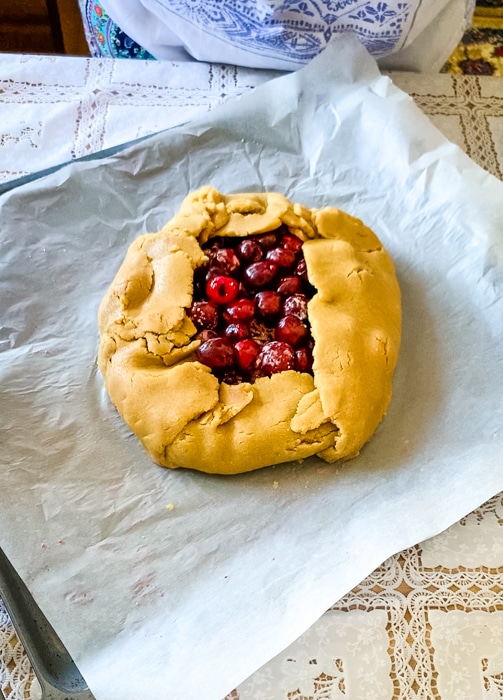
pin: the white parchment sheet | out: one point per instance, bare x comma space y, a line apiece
185, 602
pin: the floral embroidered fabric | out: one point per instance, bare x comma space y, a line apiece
104, 37
480, 51
286, 34
298, 29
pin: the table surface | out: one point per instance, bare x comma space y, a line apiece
428, 623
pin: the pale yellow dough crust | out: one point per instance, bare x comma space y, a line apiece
178, 409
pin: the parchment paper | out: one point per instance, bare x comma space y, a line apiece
186, 602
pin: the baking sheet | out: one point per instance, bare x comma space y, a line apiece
188, 600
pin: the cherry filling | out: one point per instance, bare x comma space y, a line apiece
250, 307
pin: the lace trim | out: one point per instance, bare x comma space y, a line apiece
427, 623
102, 103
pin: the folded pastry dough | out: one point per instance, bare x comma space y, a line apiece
178, 409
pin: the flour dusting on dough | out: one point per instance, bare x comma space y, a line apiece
180, 412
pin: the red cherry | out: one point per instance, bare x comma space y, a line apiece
203, 315
222, 289
216, 353
291, 330
267, 240
240, 310
282, 257
226, 259
296, 305
303, 360
260, 274
200, 281
246, 352
292, 242
290, 285
237, 331
244, 288
206, 335
301, 269
250, 250
275, 357
269, 304
214, 271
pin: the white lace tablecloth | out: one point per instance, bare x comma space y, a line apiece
428, 623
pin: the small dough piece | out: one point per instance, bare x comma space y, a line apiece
181, 413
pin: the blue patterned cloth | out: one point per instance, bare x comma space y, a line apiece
278, 34
104, 37
297, 29
258, 33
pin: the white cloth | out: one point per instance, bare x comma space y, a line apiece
286, 34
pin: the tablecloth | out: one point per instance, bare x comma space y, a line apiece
429, 621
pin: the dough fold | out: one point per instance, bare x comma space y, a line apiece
180, 412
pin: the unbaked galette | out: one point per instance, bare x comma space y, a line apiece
251, 331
